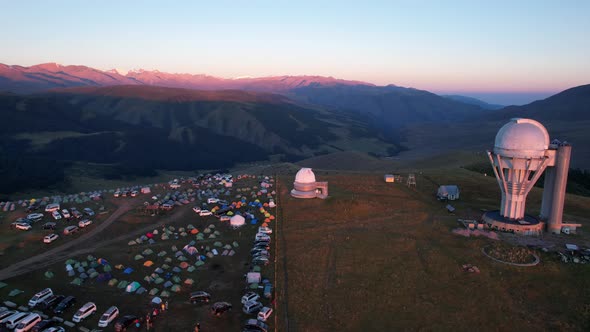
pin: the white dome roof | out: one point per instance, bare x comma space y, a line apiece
237, 220
305, 175
522, 138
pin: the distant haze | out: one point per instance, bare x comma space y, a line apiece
476, 46
506, 98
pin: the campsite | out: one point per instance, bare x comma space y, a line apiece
144, 255
370, 239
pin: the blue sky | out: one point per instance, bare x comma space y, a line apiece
486, 48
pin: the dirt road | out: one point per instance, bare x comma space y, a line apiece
61, 253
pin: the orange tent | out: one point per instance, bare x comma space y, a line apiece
271, 217
194, 231
265, 225
148, 263
183, 265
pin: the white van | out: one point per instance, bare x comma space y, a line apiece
52, 207
27, 323
108, 316
40, 297
12, 321
86, 310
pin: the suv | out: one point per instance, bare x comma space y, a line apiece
264, 313
251, 307
260, 260
84, 223
76, 213
108, 316
88, 309
55, 214
219, 308
43, 325
66, 213
264, 230
250, 296
89, 212
64, 304
252, 325
50, 302
49, 225
22, 226
200, 296
35, 216
205, 213
70, 230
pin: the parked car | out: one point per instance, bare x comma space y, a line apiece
205, 213
76, 213
260, 246
55, 329
66, 213
124, 322
262, 237
251, 307
108, 316
6, 313
197, 209
50, 238
49, 225
264, 313
250, 296
43, 325
254, 325
50, 302
64, 304
264, 230
117, 194
219, 308
35, 216
51, 207
12, 321
86, 310
85, 222
27, 323
70, 230
261, 253
212, 200
260, 260
200, 296
224, 218
55, 214
22, 226
134, 193
267, 291
89, 212
40, 297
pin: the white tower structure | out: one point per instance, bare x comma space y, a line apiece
522, 151
519, 158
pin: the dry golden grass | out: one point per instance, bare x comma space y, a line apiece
381, 257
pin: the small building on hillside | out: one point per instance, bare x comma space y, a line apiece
389, 178
448, 192
305, 185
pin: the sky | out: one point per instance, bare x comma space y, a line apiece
506, 52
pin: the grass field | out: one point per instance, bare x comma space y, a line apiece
381, 257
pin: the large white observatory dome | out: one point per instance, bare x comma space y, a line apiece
522, 138
305, 175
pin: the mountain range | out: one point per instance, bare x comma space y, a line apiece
57, 116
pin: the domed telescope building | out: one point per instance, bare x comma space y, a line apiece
305, 185
522, 152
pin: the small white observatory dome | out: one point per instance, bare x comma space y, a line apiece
305, 175
522, 138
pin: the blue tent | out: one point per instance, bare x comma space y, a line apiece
128, 270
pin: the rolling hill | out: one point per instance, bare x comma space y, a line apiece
142, 128
474, 101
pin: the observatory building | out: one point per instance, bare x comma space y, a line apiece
522, 152
305, 185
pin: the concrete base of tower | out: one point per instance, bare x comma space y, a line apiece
528, 225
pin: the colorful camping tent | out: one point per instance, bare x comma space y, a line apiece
148, 263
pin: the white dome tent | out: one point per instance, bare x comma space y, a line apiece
237, 221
